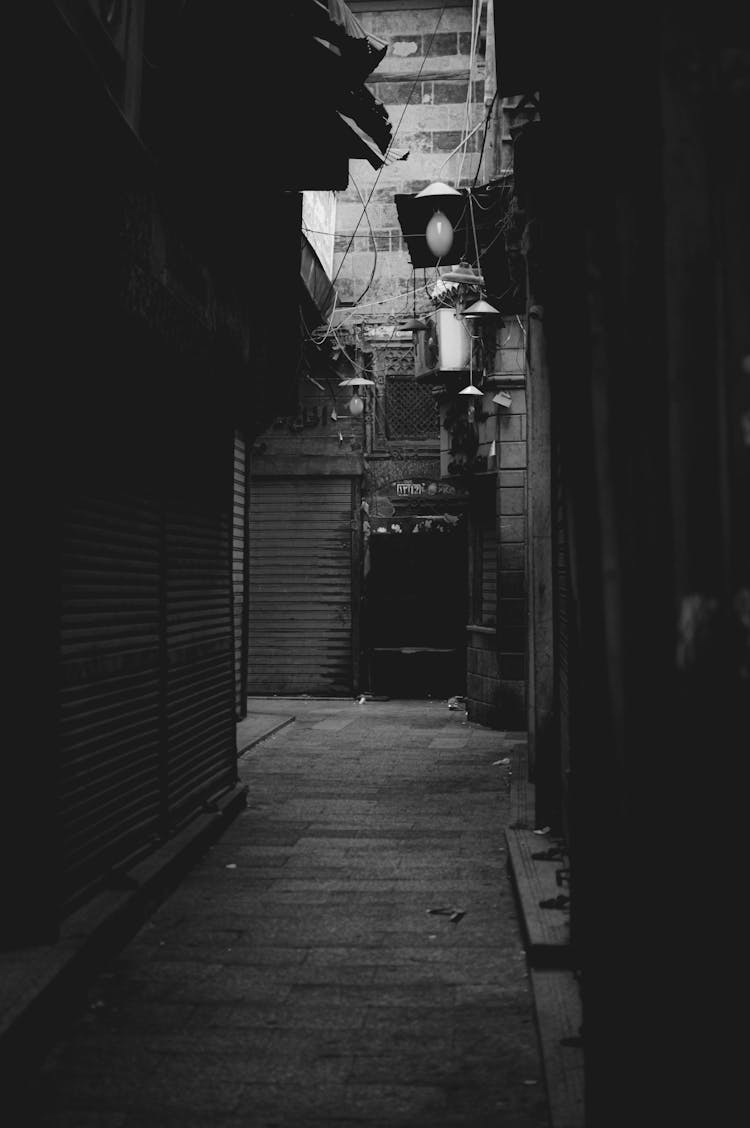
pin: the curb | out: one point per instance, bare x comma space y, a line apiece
45, 987
549, 959
264, 735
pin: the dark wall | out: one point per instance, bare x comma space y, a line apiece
645, 291
144, 335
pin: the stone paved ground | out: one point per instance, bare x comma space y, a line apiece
296, 978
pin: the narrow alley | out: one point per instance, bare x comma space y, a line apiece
348, 953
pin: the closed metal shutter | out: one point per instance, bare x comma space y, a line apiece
200, 706
301, 586
110, 690
239, 577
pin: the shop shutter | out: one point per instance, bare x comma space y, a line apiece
301, 586
110, 688
239, 579
200, 694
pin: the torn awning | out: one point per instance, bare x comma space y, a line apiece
363, 146
319, 292
336, 23
347, 56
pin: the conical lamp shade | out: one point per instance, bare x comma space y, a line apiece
464, 273
480, 308
414, 324
470, 390
356, 382
438, 188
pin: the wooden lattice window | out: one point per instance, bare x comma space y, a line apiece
410, 410
405, 411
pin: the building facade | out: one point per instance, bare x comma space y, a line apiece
157, 311
434, 632
637, 314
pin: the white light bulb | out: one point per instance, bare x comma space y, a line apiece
439, 234
356, 406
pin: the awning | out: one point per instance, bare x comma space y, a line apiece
318, 290
347, 55
363, 146
335, 22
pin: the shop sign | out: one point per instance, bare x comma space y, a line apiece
422, 487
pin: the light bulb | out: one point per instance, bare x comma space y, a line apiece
356, 406
439, 234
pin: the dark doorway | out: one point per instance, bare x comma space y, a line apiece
416, 612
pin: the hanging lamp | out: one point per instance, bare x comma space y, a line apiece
481, 308
471, 389
356, 404
357, 382
438, 188
414, 324
439, 231
464, 273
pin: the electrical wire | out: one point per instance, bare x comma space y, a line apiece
476, 24
474, 229
329, 330
390, 143
484, 139
390, 146
372, 236
477, 14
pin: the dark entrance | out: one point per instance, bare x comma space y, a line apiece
416, 610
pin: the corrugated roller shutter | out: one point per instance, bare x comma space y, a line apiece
109, 700
239, 561
301, 586
200, 655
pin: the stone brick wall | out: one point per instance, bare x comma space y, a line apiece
496, 653
423, 82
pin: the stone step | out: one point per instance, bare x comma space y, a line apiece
546, 930
557, 1005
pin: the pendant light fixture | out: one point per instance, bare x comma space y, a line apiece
356, 404
465, 274
471, 389
481, 308
414, 324
439, 231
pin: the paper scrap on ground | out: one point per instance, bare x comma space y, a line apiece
453, 914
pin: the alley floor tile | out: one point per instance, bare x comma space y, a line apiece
307, 972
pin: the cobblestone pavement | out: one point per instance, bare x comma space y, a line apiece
300, 976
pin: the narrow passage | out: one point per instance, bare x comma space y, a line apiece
348, 954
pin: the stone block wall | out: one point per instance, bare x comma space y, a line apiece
496, 654
424, 82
